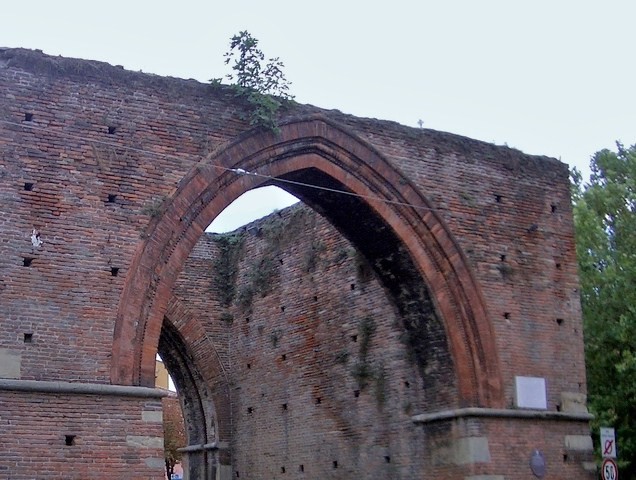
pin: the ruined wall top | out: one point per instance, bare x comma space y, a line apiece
380, 133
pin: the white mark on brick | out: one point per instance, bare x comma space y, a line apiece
35, 239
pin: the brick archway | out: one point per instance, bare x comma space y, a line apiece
194, 365
319, 145
203, 386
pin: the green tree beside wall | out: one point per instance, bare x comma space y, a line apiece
605, 222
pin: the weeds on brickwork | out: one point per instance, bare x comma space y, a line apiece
363, 269
274, 231
312, 255
261, 85
420, 327
366, 329
405, 339
245, 297
227, 317
362, 371
258, 281
468, 199
154, 207
226, 265
342, 255
505, 270
262, 274
275, 337
380, 384
342, 357
279, 231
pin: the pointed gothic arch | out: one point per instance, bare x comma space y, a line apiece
318, 151
203, 386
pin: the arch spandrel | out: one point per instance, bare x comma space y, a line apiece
307, 145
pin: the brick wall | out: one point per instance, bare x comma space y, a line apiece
314, 350
52, 436
291, 339
119, 174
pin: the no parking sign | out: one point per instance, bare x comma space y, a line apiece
608, 442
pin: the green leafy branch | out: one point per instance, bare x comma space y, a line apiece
261, 85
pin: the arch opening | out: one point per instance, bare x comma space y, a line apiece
252, 205
315, 151
307, 323
196, 402
382, 250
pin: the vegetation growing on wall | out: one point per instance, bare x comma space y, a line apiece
313, 255
258, 281
154, 207
261, 274
363, 370
380, 384
261, 85
230, 247
277, 232
364, 271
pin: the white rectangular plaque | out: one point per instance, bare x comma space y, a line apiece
530, 392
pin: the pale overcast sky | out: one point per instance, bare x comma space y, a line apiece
547, 77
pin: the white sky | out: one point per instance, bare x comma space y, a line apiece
551, 77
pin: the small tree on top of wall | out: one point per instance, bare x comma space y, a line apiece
262, 85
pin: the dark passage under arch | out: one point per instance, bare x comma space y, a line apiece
405, 241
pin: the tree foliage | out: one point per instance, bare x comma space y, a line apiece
174, 436
605, 219
262, 85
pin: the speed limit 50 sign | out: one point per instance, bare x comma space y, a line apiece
609, 470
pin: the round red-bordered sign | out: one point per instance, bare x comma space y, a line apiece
609, 469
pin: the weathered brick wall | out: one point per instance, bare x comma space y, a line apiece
291, 342
52, 436
315, 353
325, 349
91, 157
